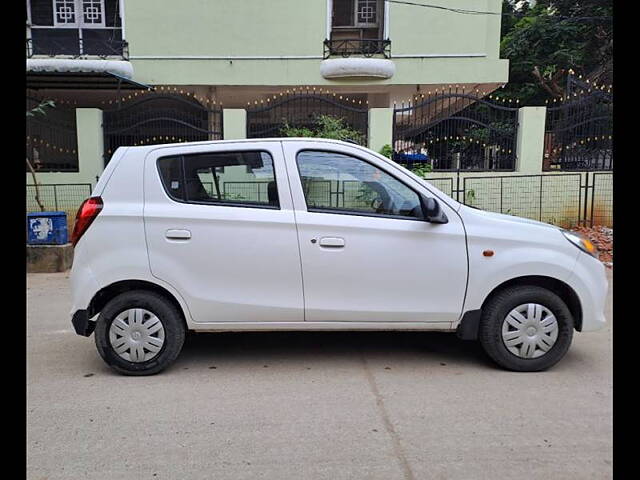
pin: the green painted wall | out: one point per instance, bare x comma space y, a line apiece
181, 43
225, 27
234, 123
307, 72
418, 30
380, 128
530, 140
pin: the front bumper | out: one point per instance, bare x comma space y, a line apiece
81, 323
589, 281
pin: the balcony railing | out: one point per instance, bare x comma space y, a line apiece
357, 47
78, 47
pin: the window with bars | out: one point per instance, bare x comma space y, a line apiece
367, 12
78, 13
74, 28
355, 13
357, 28
64, 13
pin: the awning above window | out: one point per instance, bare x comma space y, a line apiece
81, 74
82, 81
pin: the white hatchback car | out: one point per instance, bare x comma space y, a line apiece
312, 234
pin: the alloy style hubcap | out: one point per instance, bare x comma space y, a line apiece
529, 330
136, 335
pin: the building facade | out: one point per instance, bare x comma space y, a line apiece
367, 54
237, 52
419, 78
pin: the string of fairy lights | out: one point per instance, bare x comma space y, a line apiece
160, 90
307, 90
453, 90
414, 102
471, 142
583, 142
42, 143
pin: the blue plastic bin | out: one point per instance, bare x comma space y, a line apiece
410, 157
47, 228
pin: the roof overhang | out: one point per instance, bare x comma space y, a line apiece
81, 74
82, 81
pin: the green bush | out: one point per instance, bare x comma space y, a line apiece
325, 126
421, 169
387, 151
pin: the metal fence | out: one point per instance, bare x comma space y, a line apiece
58, 197
366, 47
563, 199
602, 199
446, 185
254, 191
552, 199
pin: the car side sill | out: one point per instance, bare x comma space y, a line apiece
274, 326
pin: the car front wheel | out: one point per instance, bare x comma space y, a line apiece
526, 328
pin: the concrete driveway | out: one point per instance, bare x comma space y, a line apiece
311, 406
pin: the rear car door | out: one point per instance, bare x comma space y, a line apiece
366, 255
220, 229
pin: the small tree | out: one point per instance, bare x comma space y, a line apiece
38, 110
325, 126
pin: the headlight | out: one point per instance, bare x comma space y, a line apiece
581, 242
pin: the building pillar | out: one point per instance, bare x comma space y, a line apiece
530, 139
90, 144
380, 128
234, 123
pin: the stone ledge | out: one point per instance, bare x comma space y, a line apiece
49, 258
357, 67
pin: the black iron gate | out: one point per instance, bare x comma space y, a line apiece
303, 110
52, 139
454, 130
578, 134
160, 118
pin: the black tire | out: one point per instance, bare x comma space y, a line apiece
496, 310
172, 322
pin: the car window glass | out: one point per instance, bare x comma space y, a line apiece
342, 183
221, 178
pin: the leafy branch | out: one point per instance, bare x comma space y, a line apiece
40, 109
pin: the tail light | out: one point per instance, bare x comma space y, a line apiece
87, 213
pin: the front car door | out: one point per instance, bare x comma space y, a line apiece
220, 229
366, 256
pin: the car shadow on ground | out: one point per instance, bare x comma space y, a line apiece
296, 347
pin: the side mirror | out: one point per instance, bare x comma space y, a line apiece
431, 210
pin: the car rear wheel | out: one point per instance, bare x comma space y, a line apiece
139, 333
526, 328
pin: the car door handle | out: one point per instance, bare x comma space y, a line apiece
178, 234
332, 242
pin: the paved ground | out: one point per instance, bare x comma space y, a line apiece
311, 406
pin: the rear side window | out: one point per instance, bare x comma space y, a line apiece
225, 178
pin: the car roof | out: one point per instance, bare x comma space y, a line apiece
248, 141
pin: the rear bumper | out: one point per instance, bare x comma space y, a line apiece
81, 323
